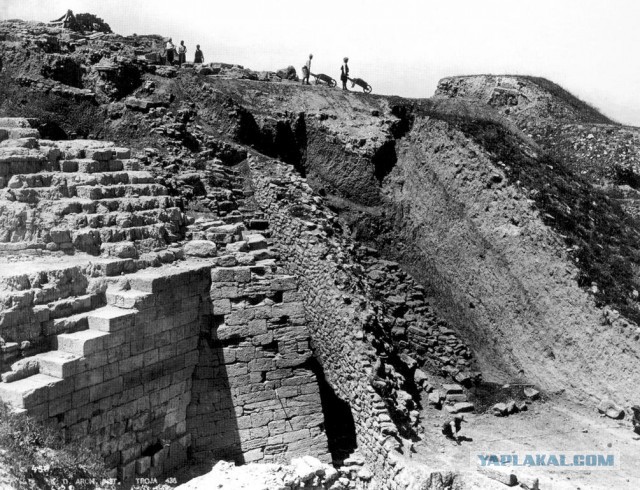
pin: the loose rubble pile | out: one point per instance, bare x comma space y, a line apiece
595, 146
410, 319
306, 472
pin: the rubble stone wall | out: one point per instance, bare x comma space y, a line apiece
335, 318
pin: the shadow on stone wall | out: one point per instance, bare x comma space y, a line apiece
338, 419
214, 421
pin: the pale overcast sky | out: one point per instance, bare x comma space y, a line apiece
400, 47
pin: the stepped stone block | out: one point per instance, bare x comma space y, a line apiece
101, 154
82, 343
20, 143
452, 389
115, 191
34, 195
111, 319
28, 392
131, 164
14, 122
130, 299
121, 153
90, 165
58, 364
67, 324
18, 133
256, 241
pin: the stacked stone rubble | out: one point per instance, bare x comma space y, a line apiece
345, 326
81, 195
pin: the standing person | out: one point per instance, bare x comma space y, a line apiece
199, 57
182, 53
344, 73
170, 48
306, 70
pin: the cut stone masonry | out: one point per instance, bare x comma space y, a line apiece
81, 195
105, 346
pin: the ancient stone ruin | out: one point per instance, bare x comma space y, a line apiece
214, 266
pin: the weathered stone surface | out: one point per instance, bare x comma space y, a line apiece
200, 248
610, 409
499, 410
461, 407
504, 477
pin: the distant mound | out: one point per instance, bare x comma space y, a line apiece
522, 97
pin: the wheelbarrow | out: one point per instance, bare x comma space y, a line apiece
360, 83
321, 77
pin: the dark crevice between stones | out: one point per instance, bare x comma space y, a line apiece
404, 113
384, 160
338, 418
283, 138
52, 131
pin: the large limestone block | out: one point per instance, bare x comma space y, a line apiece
200, 248
111, 319
28, 392
82, 343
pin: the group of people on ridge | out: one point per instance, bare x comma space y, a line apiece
181, 53
344, 72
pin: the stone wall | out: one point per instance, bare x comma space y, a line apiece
337, 318
123, 383
208, 355
254, 398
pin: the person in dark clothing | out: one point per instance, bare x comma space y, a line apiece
199, 57
451, 428
182, 53
344, 73
170, 49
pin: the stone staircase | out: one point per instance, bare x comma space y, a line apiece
15, 128
80, 195
45, 377
123, 362
37, 305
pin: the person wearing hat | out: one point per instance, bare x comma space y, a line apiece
344, 73
306, 70
451, 428
199, 57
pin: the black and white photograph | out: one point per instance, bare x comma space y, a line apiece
319, 245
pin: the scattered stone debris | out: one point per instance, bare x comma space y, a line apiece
507, 478
611, 410
305, 472
531, 393
509, 408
